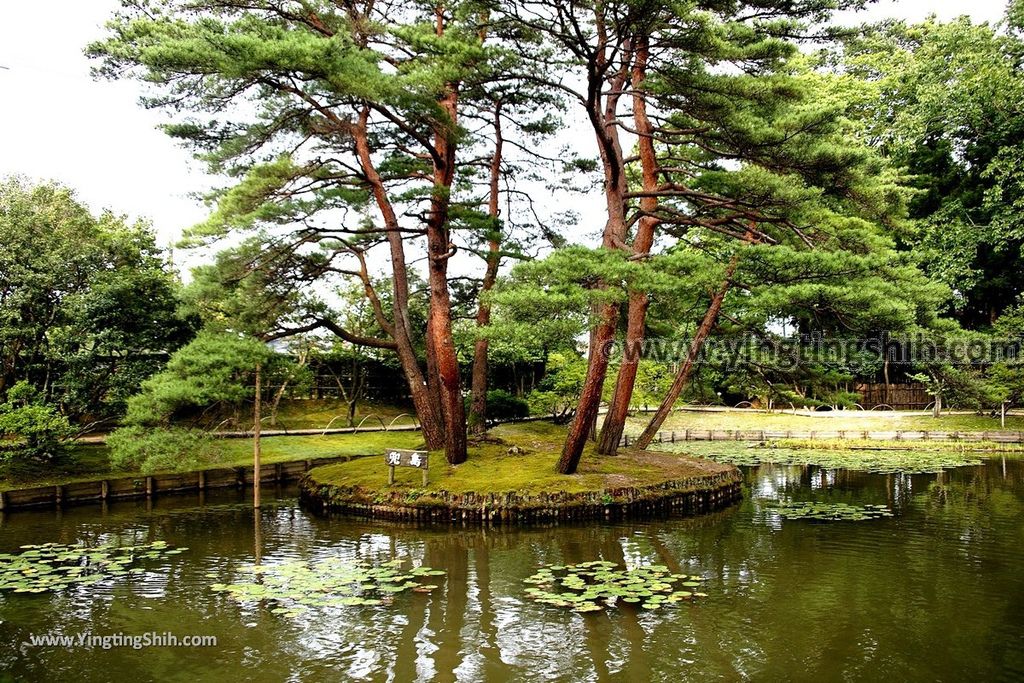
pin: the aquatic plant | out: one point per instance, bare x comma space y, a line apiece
53, 566
294, 586
594, 586
829, 512
876, 462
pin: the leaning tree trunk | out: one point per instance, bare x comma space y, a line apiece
430, 419
478, 390
639, 301
590, 397
682, 378
605, 124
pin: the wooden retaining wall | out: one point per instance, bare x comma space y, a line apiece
693, 496
142, 486
821, 434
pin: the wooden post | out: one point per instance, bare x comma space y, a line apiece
1002, 415
256, 444
104, 489
425, 479
391, 475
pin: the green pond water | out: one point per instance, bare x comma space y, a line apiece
933, 593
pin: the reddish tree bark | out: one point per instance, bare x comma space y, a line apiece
478, 391
439, 250
433, 431
639, 301
682, 378
602, 110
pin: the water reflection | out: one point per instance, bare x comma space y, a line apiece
932, 594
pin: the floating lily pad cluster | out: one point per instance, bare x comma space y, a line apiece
875, 462
593, 586
293, 587
53, 566
830, 512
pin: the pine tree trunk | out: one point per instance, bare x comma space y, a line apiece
604, 121
433, 376
430, 419
618, 409
682, 378
590, 397
478, 390
439, 250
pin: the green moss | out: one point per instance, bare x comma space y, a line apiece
491, 468
234, 452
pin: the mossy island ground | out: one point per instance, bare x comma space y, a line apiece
510, 477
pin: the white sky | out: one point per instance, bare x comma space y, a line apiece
57, 123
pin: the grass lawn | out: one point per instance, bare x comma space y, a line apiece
827, 421
318, 413
90, 461
492, 469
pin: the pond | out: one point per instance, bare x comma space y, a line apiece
934, 592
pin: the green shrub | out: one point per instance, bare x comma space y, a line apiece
31, 430
153, 450
501, 405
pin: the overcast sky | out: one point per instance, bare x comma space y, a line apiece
57, 123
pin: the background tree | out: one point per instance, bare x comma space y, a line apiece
88, 306
31, 433
207, 382
943, 101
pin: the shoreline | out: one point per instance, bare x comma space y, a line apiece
712, 487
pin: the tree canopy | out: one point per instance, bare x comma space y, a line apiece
88, 305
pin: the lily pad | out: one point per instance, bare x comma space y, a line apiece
579, 587
828, 512
298, 585
53, 566
918, 461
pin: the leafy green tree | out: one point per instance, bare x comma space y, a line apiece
88, 306
730, 139
144, 449
943, 101
211, 376
31, 432
350, 128
559, 391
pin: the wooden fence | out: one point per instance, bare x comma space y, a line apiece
865, 435
143, 486
898, 396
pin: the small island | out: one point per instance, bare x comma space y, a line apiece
510, 477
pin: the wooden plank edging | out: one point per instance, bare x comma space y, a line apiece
149, 486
